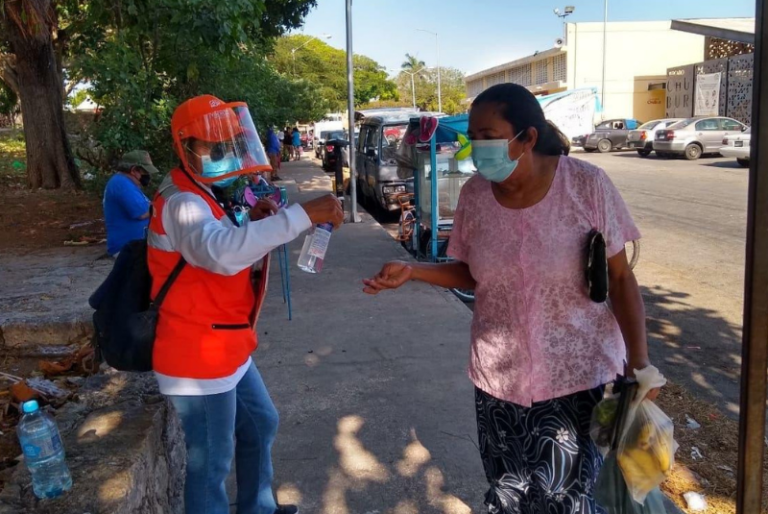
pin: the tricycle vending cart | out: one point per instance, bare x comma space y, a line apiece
440, 144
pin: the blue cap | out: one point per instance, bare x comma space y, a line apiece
30, 406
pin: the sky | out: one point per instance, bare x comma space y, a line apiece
477, 34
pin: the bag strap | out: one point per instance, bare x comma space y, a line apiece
169, 282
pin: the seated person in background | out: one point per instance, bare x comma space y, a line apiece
126, 207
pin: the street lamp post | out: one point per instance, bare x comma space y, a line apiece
413, 84
439, 88
308, 41
569, 9
351, 119
605, 51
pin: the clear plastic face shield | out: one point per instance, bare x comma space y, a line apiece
221, 145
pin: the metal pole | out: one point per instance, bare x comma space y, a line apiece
351, 115
439, 87
413, 90
605, 51
754, 357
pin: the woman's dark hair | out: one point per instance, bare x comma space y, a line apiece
520, 108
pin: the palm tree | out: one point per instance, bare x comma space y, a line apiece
412, 63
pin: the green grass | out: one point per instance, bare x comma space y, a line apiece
12, 155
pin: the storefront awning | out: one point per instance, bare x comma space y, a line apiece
741, 30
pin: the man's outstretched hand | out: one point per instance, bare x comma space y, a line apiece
325, 209
393, 275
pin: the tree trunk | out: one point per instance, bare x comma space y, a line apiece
50, 163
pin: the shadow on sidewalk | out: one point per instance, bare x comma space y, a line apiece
678, 334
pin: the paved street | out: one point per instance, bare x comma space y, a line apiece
693, 219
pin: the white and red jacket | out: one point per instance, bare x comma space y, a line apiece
206, 327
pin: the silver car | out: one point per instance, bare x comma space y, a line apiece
642, 138
738, 147
695, 137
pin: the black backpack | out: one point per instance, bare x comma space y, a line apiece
125, 319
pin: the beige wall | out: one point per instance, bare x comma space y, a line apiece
635, 50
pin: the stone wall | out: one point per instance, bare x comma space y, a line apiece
124, 447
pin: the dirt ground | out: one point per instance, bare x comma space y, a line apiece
711, 470
33, 220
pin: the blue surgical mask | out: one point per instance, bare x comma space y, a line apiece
491, 158
226, 164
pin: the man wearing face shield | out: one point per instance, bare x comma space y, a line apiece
206, 327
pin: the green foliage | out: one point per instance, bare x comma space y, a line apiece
77, 98
325, 68
452, 87
12, 158
158, 53
412, 63
8, 100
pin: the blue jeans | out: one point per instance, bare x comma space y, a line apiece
211, 426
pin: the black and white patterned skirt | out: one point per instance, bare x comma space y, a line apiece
539, 459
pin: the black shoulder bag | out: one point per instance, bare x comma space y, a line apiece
125, 320
597, 267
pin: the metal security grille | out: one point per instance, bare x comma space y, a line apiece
521, 75
561, 68
496, 78
475, 88
541, 72
740, 73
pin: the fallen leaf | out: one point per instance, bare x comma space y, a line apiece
50, 368
21, 392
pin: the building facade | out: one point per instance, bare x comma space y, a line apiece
637, 59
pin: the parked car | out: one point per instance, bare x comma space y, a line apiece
694, 137
376, 167
737, 146
319, 128
579, 140
326, 136
642, 138
610, 135
329, 154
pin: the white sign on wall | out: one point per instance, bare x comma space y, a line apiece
573, 112
707, 95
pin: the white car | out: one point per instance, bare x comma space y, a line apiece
737, 146
642, 138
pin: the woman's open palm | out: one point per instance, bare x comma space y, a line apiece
393, 275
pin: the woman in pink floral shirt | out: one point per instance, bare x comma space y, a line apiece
541, 349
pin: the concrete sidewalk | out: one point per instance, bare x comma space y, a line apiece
377, 413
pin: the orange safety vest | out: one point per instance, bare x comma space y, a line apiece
206, 326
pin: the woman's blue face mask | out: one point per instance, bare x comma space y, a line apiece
491, 158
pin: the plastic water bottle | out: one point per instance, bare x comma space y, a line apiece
315, 246
43, 452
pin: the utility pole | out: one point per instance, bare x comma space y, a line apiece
413, 84
605, 51
351, 115
439, 86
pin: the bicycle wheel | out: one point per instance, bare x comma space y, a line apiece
405, 229
465, 295
633, 253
